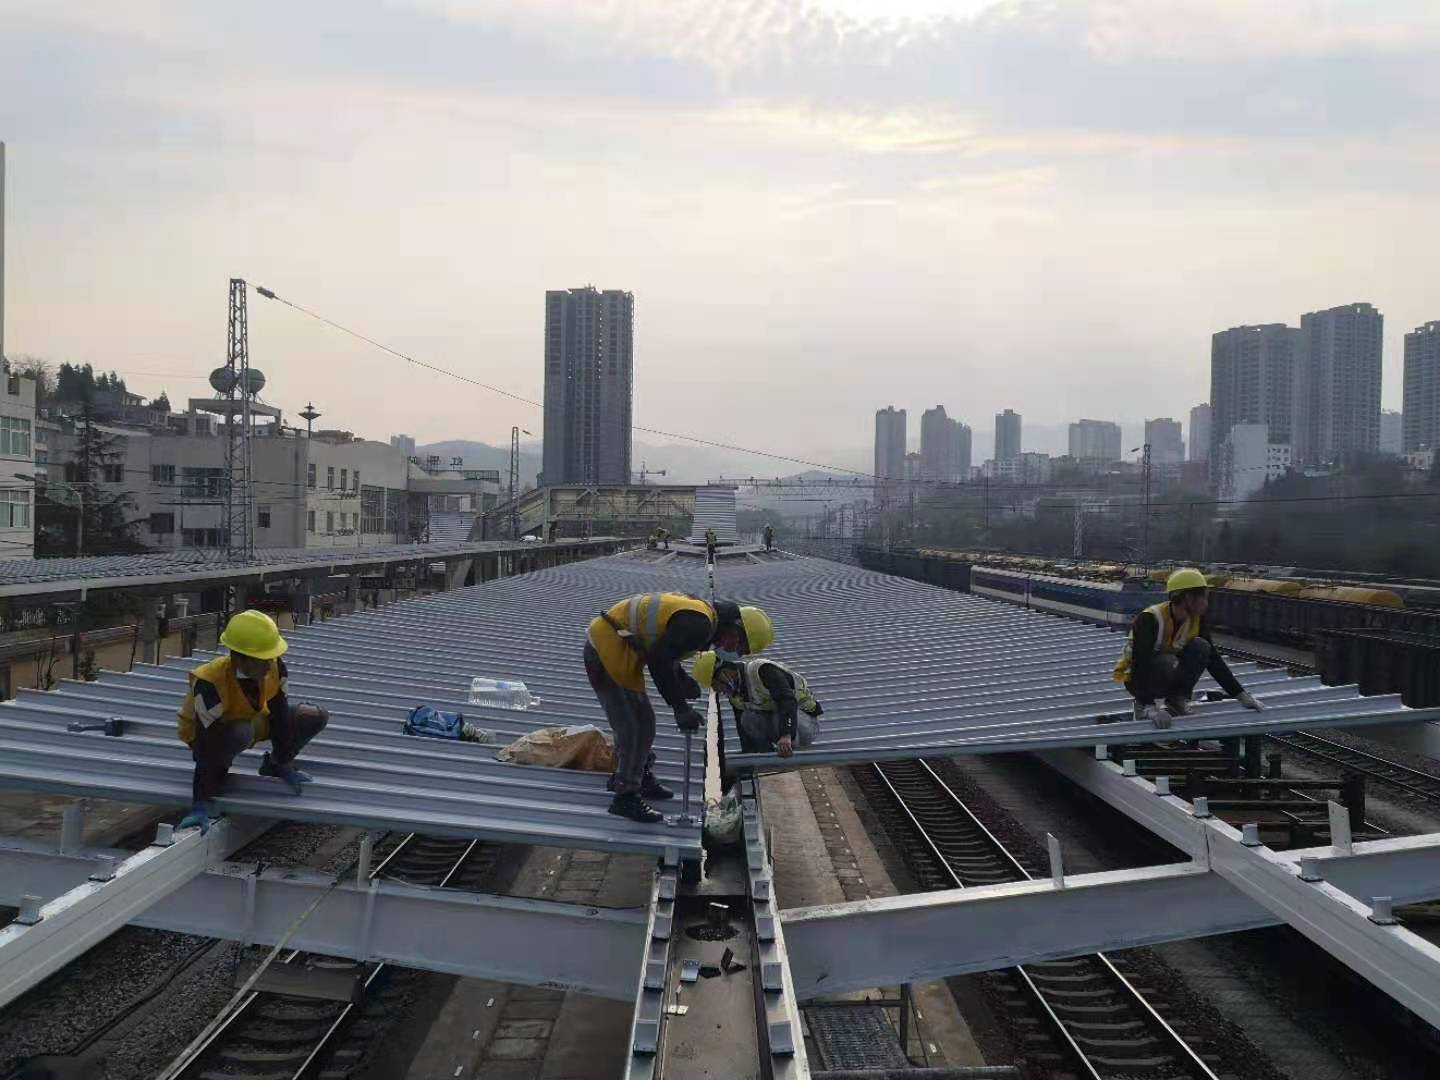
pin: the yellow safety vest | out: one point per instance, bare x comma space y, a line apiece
1171, 638
641, 621
753, 694
237, 707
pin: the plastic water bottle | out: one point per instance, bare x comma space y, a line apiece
502, 694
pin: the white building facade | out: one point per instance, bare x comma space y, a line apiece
1249, 459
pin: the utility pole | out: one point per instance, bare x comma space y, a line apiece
1079, 547
1145, 526
514, 482
233, 381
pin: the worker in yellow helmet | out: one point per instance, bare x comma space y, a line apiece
237, 700
774, 708
654, 632
1169, 648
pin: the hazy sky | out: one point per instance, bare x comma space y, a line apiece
822, 207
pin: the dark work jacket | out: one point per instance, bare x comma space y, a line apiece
1144, 634
686, 632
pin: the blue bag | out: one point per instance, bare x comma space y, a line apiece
430, 721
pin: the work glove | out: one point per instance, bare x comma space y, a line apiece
688, 720
1245, 698
198, 818
1157, 716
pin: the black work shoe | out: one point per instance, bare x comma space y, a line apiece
629, 804
650, 788
610, 782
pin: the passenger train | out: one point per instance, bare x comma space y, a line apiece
1108, 603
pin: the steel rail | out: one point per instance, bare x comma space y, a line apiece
1169, 1040
1372, 765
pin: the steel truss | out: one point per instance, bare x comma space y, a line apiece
535, 942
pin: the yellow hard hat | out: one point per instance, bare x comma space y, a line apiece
704, 671
254, 633
759, 630
1189, 578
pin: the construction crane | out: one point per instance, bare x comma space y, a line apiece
644, 472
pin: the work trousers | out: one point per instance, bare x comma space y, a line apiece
760, 730
216, 747
1170, 674
631, 718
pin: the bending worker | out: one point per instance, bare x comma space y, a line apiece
1168, 650
238, 700
774, 709
655, 631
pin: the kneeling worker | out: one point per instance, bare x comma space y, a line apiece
655, 631
774, 709
238, 700
1168, 650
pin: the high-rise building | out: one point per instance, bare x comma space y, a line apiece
1252, 381
935, 456
1337, 384
1167, 445
960, 450
2, 250
1095, 441
589, 379
404, 443
1422, 389
944, 448
1199, 447
1392, 432
890, 444
1007, 435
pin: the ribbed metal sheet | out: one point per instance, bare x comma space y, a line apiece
715, 509
370, 669
19, 577
450, 527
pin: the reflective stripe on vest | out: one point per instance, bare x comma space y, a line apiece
235, 705
754, 695
631, 626
1169, 638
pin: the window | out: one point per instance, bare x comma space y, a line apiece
112, 474
262, 517
329, 521
212, 538
330, 478
162, 474
13, 385
14, 509
344, 479
14, 436
310, 517
202, 427
162, 524
372, 509
356, 488
310, 478
202, 483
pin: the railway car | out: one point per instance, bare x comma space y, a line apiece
1108, 603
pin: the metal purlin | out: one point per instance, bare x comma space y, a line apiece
648, 1020
781, 1031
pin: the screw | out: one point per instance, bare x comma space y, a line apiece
1250, 835
1202, 807
1382, 911
1310, 869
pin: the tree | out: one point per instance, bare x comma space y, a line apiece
39, 369
109, 528
79, 383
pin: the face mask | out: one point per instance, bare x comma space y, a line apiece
725, 656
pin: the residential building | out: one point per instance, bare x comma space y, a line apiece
1095, 442
1337, 384
1248, 459
1199, 445
404, 443
1027, 467
944, 447
17, 459
1424, 460
913, 468
1167, 444
890, 444
589, 379
1252, 381
1007, 435
1421, 429
1392, 432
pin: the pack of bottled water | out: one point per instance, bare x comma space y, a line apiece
502, 694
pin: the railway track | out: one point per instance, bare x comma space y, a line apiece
1373, 766
271, 1036
1088, 1017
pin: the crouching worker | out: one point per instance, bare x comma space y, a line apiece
1169, 649
238, 700
774, 709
